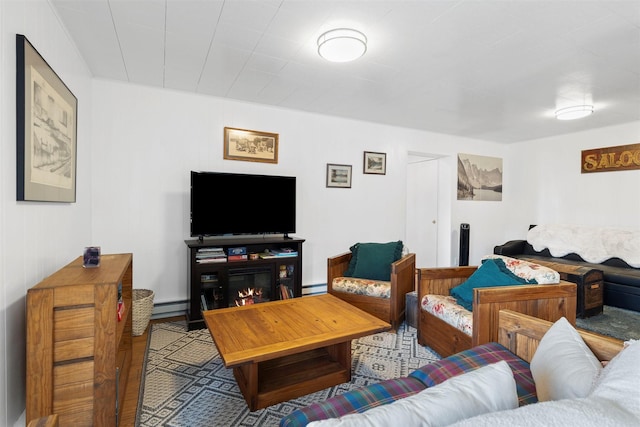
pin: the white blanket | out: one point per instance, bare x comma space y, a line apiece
585, 412
593, 244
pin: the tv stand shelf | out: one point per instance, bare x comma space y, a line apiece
226, 283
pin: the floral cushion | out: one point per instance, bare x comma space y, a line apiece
528, 270
446, 308
370, 288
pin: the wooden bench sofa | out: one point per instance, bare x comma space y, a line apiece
548, 302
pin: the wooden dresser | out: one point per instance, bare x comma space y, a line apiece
78, 351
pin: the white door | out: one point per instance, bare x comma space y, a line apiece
422, 209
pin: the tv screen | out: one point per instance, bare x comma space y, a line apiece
230, 203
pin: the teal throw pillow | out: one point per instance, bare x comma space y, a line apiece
373, 260
354, 259
488, 275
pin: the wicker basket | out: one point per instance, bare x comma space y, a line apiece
142, 308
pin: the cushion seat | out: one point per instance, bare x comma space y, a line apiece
370, 288
446, 308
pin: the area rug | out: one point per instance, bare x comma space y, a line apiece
186, 384
615, 322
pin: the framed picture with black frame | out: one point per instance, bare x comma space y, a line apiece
46, 124
338, 176
375, 163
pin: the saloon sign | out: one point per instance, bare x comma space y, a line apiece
620, 158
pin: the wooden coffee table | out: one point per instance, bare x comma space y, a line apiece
285, 349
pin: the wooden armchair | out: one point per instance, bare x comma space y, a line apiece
391, 309
548, 302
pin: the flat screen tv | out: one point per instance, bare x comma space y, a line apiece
231, 203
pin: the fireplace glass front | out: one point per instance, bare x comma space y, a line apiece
249, 286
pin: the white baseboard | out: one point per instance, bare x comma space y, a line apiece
169, 309
179, 308
318, 288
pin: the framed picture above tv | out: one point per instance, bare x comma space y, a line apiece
250, 145
46, 130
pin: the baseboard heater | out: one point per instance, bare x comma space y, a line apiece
179, 308
318, 288
169, 309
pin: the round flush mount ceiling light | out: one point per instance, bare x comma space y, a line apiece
574, 112
342, 45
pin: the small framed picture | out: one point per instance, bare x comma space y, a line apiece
375, 163
250, 145
338, 176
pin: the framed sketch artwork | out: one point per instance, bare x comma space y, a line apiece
46, 130
250, 145
338, 176
375, 163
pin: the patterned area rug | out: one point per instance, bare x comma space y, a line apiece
186, 384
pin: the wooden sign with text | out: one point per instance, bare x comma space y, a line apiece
620, 158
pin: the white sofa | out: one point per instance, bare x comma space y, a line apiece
572, 385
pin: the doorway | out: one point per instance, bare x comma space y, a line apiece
422, 208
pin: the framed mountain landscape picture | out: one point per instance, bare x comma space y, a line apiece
479, 178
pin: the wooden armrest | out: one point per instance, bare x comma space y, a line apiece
336, 266
406, 262
521, 334
439, 281
403, 276
549, 302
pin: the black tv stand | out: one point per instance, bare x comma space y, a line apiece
212, 285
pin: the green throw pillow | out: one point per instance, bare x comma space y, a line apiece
488, 275
373, 260
354, 259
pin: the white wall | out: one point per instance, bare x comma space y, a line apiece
543, 183
147, 141
35, 238
137, 145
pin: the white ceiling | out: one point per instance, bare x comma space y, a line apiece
493, 70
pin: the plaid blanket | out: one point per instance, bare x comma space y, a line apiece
388, 391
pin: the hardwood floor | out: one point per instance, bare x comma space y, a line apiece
130, 404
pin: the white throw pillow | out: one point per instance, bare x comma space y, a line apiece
614, 401
487, 389
563, 367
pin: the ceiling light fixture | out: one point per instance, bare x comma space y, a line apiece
574, 112
342, 45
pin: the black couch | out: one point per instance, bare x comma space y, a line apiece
621, 281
